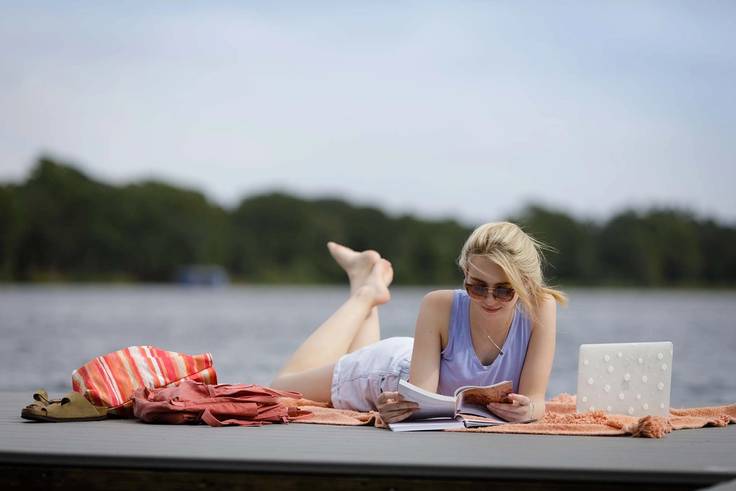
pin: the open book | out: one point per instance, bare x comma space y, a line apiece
467, 408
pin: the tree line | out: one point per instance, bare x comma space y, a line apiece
62, 225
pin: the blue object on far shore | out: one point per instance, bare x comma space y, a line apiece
202, 275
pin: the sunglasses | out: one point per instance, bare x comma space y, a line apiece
480, 292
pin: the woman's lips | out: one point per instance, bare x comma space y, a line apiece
491, 310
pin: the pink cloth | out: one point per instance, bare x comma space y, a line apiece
560, 418
192, 402
253, 405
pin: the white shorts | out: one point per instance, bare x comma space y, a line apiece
360, 377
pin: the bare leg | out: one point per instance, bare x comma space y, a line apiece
369, 332
309, 370
332, 339
358, 266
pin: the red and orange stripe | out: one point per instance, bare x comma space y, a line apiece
111, 379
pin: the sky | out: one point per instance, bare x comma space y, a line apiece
469, 110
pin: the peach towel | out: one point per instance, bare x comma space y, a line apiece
560, 418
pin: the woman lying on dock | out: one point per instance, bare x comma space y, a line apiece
501, 326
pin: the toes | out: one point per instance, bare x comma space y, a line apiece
334, 246
374, 255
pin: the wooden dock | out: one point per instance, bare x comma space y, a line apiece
125, 454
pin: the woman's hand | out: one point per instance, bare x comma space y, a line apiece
394, 408
521, 408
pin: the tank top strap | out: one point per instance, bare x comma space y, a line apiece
457, 330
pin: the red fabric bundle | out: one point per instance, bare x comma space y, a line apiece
192, 402
110, 380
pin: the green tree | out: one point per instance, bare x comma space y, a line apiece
675, 236
61, 223
278, 238
718, 245
65, 219
573, 256
9, 229
77, 228
166, 227
659, 247
627, 253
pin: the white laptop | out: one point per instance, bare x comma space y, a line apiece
625, 378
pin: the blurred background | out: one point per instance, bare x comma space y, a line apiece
170, 172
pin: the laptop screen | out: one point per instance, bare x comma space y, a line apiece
633, 379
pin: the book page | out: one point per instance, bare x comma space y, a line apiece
465, 408
475, 421
484, 395
431, 405
473, 400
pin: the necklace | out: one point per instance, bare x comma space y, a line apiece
500, 351
485, 333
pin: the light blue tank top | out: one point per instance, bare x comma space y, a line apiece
459, 365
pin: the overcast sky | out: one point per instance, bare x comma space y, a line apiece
462, 109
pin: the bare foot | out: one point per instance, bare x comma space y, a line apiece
374, 287
357, 265
387, 272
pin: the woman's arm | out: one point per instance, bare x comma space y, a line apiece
539, 357
425, 359
434, 316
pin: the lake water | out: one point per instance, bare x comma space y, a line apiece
47, 331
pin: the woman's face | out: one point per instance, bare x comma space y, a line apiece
484, 272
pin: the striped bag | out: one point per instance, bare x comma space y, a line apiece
110, 380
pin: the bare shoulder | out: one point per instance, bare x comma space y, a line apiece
548, 303
438, 300
435, 312
546, 313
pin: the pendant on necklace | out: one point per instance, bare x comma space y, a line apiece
500, 351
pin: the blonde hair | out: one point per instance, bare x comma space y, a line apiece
519, 256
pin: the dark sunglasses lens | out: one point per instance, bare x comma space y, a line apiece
476, 291
503, 293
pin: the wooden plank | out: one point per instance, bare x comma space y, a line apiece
75, 478
688, 457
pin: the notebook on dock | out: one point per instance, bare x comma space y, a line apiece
625, 378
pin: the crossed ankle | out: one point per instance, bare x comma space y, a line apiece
371, 294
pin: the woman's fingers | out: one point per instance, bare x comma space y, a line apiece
393, 407
392, 401
519, 408
398, 406
520, 398
395, 416
518, 402
389, 397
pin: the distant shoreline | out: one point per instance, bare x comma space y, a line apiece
242, 284
61, 225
